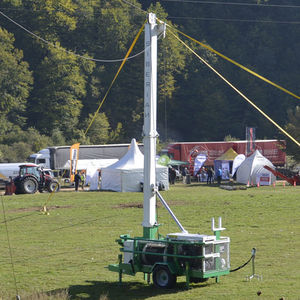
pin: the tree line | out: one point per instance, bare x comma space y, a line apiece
48, 95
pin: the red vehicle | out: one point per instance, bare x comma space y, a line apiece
32, 179
187, 151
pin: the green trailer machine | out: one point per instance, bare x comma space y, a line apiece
197, 257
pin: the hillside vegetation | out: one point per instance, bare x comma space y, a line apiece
48, 95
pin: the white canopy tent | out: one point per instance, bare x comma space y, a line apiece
84, 164
252, 170
92, 168
127, 174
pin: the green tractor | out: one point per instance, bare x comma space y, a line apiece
32, 178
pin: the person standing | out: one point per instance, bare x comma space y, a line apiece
219, 175
209, 175
172, 175
82, 178
183, 173
77, 179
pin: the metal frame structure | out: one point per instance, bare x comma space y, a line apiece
197, 257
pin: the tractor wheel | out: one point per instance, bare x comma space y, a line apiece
163, 278
28, 185
52, 186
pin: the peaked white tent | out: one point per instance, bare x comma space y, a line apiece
127, 174
252, 170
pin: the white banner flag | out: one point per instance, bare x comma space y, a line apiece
199, 161
237, 162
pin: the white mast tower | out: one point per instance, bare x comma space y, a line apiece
149, 130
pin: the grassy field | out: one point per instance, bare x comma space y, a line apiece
68, 250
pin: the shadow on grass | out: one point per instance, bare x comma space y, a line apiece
95, 290
215, 184
197, 184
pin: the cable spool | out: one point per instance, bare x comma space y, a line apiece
154, 248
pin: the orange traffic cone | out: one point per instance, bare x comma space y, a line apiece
284, 184
294, 182
258, 184
274, 184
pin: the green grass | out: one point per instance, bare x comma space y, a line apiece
70, 248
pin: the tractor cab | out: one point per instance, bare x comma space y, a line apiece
30, 169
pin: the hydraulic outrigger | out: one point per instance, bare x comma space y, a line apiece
195, 256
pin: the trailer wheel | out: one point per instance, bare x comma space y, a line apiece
163, 278
52, 186
28, 185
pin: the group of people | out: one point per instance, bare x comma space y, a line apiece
204, 174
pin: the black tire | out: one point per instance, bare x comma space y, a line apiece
163, 278
28, 185
52, 186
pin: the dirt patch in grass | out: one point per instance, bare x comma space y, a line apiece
140, 205
38, 208
129, 205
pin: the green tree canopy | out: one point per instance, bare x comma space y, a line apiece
15, 81
59, 91
293, 127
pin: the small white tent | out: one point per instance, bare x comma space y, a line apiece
252, 169
127, 174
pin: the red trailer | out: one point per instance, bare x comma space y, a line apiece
187, 151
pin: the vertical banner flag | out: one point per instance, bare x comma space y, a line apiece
225, 170
199, 161
237, 162
74, 152
250, 138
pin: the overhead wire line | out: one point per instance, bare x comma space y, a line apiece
10, 251
235, 20
234, 88
136, 7
236, 63
65, 50
115, 77
233, 3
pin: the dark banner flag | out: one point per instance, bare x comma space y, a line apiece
250, 138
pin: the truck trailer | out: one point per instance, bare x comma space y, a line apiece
57, 157
273, 150
9, 170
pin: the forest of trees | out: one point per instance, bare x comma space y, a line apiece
59, 57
